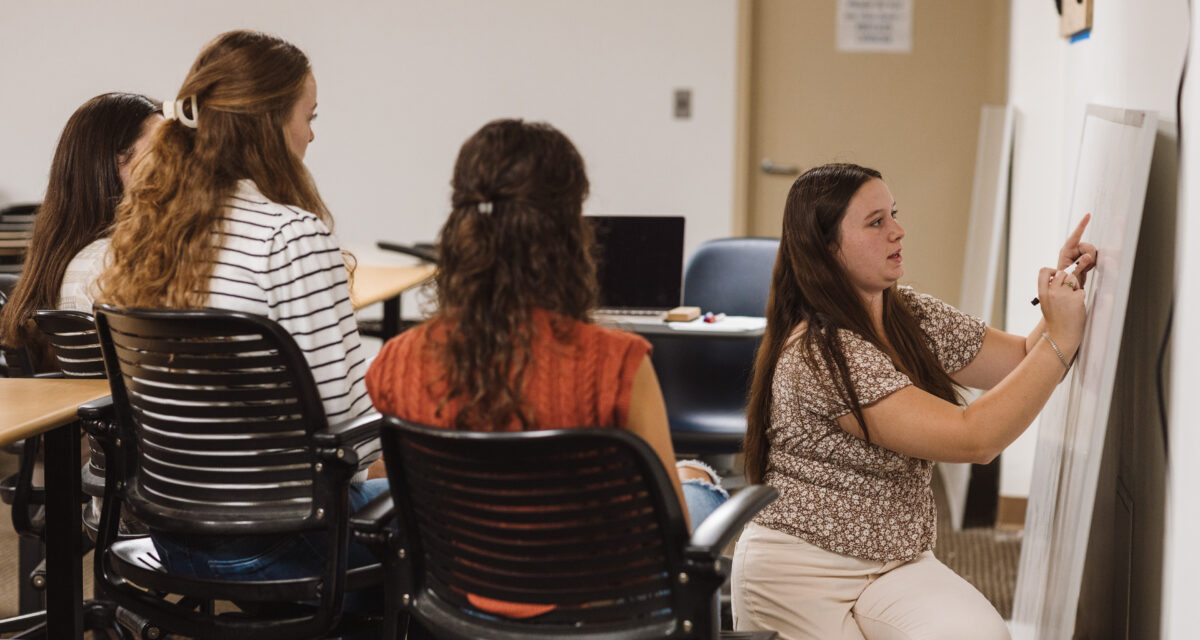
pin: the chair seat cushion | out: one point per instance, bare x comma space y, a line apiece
8, 491
708, 431
712, 422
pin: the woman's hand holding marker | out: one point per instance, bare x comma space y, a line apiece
1075, 258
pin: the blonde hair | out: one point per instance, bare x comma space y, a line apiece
245, 84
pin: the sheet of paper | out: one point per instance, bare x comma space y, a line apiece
730, 324
875, 26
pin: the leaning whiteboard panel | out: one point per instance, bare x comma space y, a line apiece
983, 261
1110, 182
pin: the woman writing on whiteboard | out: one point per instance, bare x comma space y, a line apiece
854, 397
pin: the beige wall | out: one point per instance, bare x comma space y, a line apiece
913, 116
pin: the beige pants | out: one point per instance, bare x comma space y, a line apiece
785, 584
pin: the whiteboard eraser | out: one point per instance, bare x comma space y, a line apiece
683, 314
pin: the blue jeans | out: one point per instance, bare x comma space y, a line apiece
264, 557
702, 499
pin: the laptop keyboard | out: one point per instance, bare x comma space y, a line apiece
630, 314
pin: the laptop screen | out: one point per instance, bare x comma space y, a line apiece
639, 261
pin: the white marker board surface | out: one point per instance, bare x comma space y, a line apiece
1110, 183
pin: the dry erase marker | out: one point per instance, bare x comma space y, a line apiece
1069, 270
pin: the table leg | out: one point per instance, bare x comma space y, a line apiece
64, 546
30, 553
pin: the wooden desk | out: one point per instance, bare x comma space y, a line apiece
49, 406
376, 283
36, 405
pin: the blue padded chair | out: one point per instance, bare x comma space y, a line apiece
705, 379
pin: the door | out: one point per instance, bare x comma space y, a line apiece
913, 116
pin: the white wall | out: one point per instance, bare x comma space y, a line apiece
1132, 60
402, 84
1183, 475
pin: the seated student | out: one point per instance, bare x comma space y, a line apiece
510, 346
221, 212
854, 399
88, 175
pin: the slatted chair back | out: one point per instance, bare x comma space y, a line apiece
73, 340
76, 348
220, 433
585, 520
18, 360
16, 231
217, 409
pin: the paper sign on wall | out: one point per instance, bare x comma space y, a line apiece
875, 25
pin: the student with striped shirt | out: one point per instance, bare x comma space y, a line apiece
222, 212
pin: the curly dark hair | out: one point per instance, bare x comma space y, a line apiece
515, 240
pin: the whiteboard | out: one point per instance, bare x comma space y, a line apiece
983, 260
1110, 182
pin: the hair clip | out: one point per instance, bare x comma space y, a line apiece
485, 207
174, 111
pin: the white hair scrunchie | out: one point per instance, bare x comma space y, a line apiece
174, 111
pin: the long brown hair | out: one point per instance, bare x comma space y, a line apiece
515, 240
81, 198
810, 286
245, 84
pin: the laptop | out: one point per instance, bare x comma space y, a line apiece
639, 262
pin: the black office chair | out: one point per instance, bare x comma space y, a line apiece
219, 431
17, 361
76, 349
705, 380
77, 354
16, 223
585, 520
17, 489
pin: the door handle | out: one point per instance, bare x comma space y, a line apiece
770, 168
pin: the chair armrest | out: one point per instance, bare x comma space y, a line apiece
416, 251
713, 535
350, 433
375, 515
372, 527
98, 409
97, 416
341, 441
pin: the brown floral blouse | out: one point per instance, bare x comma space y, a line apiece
835, 490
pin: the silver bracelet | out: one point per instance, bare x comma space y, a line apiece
1057, 352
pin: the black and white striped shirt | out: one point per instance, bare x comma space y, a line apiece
282, 262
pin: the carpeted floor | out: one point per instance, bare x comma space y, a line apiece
987, 558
